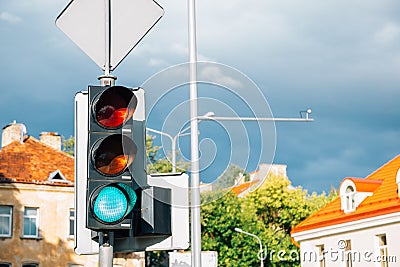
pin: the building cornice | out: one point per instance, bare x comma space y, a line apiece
36, 187
347, 227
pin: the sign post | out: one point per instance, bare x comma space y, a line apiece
107, 31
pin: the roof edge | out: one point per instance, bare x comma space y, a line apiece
347, 219
345, 227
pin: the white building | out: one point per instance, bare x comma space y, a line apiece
361, 227
258, 177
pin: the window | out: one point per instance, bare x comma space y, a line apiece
348, 253
5, 221
383, 250
4, 264
71, 222
349, 199
321, 255
31, 222
57, 176
30, 265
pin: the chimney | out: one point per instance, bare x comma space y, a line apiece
52, 139
13, 132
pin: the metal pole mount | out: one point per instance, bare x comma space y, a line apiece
106, 251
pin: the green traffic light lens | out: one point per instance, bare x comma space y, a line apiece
110, 205
114, 202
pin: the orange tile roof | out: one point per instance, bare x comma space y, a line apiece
384, 200
32, 162
242, 187
365, 185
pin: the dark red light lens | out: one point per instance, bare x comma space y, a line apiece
112, 117
115, 106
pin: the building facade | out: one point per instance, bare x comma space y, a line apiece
258, 177
361, 227
37, 204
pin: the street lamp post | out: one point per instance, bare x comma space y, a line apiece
217, 118
194, 155
260, 255
211, 116
195, 183
173, 143
174, 139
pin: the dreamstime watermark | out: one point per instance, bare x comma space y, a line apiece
339, 254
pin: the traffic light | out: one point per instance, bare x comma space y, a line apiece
115, 156
113, 192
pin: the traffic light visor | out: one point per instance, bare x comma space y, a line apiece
113, 202
114, 154
114, 107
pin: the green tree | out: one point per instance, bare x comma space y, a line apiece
155, 165
277, 203
229, 177
280, 207
269, 212
219, 219
68, 145
160, 165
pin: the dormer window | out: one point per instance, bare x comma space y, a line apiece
353, 191
350, 203
348, 195
58, 177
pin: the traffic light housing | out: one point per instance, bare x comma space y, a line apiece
113, 192
115, 156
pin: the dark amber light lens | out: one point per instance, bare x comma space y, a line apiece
115, 106
116, 165
113, 154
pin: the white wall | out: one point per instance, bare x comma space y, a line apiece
364, 246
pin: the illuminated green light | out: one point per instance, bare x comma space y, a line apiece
114, 202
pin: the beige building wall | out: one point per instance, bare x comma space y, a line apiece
54, 246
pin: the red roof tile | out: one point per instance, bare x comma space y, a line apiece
32, 162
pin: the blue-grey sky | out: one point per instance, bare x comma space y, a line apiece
340, 58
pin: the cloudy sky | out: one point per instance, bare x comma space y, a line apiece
340, 58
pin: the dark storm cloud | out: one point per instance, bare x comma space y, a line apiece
341, 58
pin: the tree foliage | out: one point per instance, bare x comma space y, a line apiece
231, 175
219, 219
157, 165
160, 165
270, 212
68, 145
